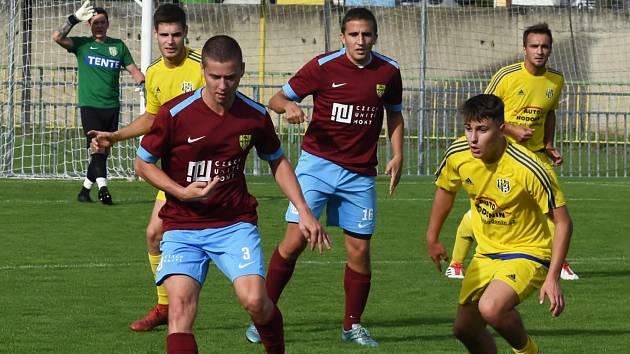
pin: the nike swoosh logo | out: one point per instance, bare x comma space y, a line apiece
363, 225
243, 265
334, 85
190, 140
93, 47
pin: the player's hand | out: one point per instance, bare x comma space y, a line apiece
141, 88
312, 231
198, 190
437, 252
554, 155
85, 12
519, 132
294, 114
393, 169
100, 140
551, 289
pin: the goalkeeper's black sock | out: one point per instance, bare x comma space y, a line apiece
99, 163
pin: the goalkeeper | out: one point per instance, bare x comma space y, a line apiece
100, 60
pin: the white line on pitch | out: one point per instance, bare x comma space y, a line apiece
578, 260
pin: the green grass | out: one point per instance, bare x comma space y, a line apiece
73, 276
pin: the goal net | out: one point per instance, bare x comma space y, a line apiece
446, 53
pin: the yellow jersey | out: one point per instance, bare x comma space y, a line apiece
527, 98
164, 83
509, 198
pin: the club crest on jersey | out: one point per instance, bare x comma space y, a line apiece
113, 51
380, 90
549, 93
504, 185
244, 141
187, 86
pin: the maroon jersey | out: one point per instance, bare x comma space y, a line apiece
196, 144
348, 106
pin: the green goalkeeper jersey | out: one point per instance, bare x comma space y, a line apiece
99, 65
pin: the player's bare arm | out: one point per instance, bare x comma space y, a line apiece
280, 103
288, 183
442, 203
156, 177
520, 133
561, 240
140, 126
136, 74
84, 13
395, 129
549, 138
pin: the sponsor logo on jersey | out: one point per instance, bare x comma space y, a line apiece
512, 277
521, 92
341, 113
491, 213
204, 170
380, 90
187, 86
353, 114
102, 62
157, 90
529, 114
468, 181
549, 93
244, 141
335, 85
503, 185
113, 51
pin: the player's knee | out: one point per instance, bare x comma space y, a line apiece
490, 311
181, 308
255, 305
291, 247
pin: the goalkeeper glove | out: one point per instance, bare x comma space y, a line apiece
84, 13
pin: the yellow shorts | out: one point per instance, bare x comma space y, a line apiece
522, 275
161, 196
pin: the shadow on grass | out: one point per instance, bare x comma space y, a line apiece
573, 332
613, 273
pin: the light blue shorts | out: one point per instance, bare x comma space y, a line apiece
349, 197
235, 250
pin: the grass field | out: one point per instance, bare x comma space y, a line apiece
73, 276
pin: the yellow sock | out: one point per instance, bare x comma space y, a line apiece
463, 239
154, 261
530, 348
460, 249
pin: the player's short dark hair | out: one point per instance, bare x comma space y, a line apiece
359, 13
221, 48
484, 106
169, 13
99, 10
539, 28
